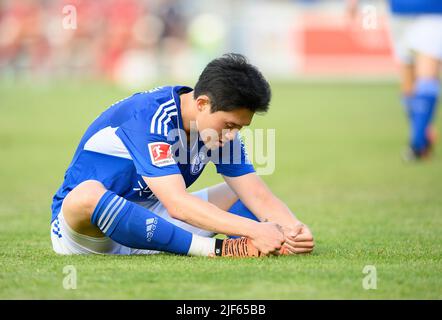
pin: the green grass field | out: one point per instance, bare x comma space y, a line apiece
338, 167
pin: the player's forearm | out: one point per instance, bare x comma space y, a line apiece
258, 198
207, 216
270, 208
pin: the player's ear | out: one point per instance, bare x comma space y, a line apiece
202, 102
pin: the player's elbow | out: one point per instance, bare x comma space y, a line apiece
176, 213
176, 208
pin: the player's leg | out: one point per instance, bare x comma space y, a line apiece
407, 78
226, 199
426, 96
400, 27
425, 40
93, 211
422, 105
221, 195
159, 209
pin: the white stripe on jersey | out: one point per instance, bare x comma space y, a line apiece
160, 112
163, 116
166, 131
107, 142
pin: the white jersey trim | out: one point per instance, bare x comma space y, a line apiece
164, 112
107, 142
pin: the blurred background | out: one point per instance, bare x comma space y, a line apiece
135, 42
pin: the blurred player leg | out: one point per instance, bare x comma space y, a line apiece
418, 46
399, 31
429, 67
407, 78
425, 40
423, 104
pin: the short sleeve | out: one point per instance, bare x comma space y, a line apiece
232, 160
151, 153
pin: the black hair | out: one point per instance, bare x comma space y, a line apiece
231, 82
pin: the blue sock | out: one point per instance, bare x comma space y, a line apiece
134, 226
240, 209
422, 109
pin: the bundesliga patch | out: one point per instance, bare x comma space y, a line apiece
161, 154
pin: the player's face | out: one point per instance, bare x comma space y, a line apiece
219, 127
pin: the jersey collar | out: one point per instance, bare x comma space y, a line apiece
176, 90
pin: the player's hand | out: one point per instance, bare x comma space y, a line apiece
297, 239
267, 237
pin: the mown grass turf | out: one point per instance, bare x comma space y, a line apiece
338, 167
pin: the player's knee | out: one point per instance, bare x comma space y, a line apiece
84, 198
222, 196
427, 66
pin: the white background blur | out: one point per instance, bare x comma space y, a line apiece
134, 43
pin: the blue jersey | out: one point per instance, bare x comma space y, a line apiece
141, 136
416, 6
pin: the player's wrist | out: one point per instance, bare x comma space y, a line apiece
250, 229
